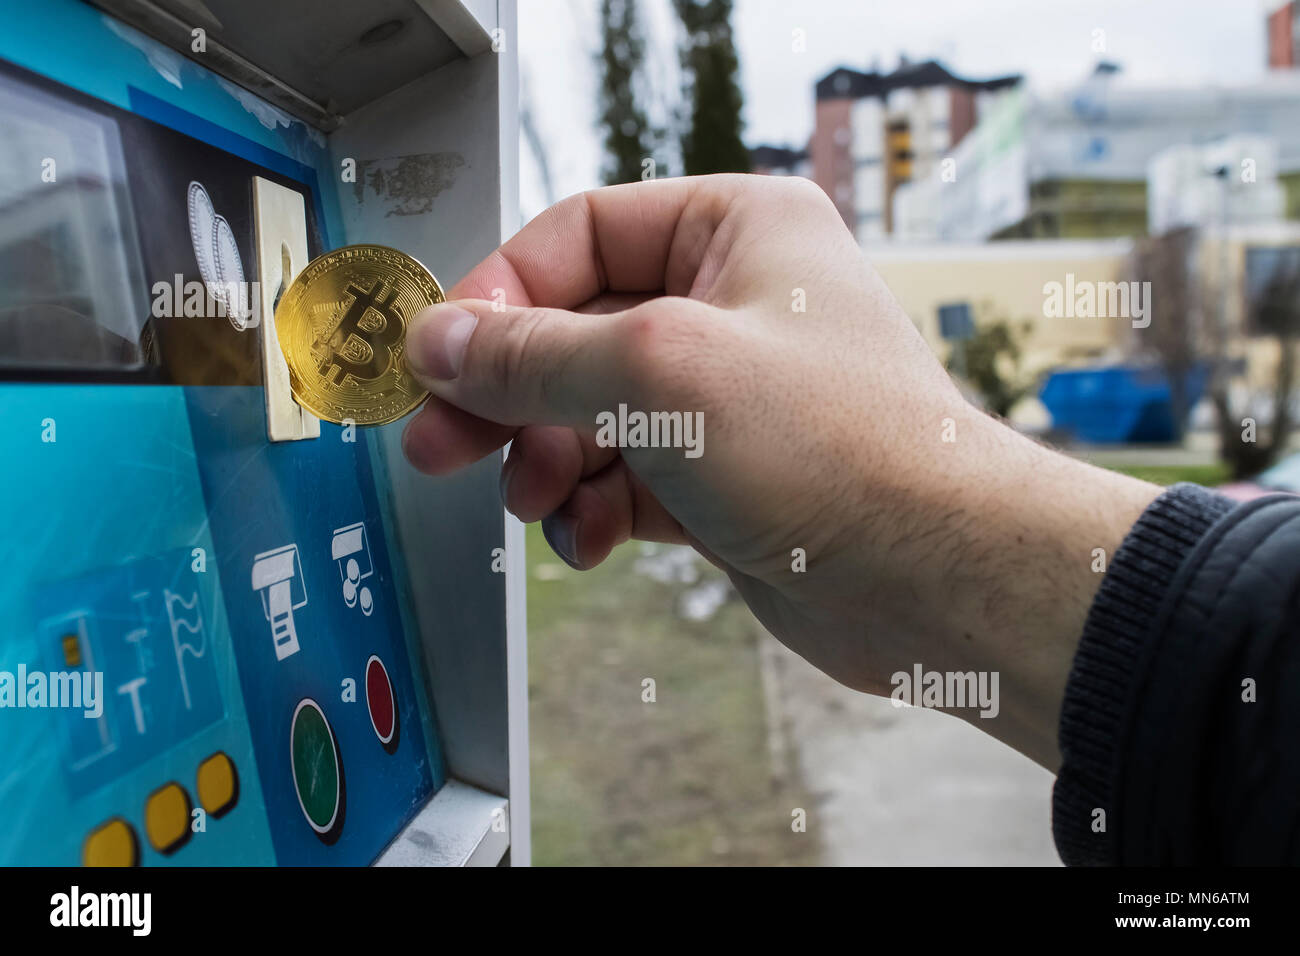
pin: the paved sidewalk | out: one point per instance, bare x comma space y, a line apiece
902, 786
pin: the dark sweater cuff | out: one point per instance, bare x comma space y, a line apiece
1106, 666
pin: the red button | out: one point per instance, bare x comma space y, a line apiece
379, 699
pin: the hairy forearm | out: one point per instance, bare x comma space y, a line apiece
1049, 525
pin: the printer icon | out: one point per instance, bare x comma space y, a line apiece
278, 578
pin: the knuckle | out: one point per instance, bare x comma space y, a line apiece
663, 343
651, 338
807, 192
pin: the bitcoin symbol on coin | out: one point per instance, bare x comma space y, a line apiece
341, 325
374, 345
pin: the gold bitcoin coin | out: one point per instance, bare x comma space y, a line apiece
342, 327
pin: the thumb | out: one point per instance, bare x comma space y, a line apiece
515, 365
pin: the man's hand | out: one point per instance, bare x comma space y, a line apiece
933, 534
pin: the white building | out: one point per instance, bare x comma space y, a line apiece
1076, 163
1233, 182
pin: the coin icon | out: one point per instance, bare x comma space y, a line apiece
342, 327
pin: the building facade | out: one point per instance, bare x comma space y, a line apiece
1283, 25
873, 132
1076, 164
779, 161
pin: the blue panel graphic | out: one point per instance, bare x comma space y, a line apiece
298, 535
100, 496
144, 626
160, 111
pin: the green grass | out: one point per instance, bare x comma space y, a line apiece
684, 780
1208, 475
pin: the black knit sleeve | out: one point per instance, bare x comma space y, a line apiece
1178, 728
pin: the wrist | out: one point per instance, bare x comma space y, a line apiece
1042, 529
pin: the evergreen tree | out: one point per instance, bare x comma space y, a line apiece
712, 143
628, 137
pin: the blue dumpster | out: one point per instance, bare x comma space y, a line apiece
1118, 403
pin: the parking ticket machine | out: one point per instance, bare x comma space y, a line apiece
233, 633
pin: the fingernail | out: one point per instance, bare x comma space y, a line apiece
407, 444
435, 343
507, 474
561, 533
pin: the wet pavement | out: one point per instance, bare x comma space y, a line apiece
902, 786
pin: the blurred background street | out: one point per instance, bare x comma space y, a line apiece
1091, 212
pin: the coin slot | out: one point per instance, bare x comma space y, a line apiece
286, 269
280, 221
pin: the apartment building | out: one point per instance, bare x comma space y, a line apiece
874, 132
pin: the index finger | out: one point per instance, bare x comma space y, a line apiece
636, 238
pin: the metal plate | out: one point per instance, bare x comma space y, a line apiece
317, 61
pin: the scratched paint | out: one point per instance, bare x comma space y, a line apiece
167, 62
269, 116
406, 185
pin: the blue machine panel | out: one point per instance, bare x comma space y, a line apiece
203, 657
299, 538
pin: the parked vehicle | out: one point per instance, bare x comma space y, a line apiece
1282, 477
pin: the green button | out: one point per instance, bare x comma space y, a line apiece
315, 766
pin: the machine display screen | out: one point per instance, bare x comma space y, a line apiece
72, 290
206, 655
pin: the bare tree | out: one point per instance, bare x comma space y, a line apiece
1166, 261
1182, 337
1275, 313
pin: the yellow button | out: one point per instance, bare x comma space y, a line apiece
112, 844
218, 784
167, 818
71, 650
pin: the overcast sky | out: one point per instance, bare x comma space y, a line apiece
1050, 41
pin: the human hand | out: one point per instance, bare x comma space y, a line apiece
823, 430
